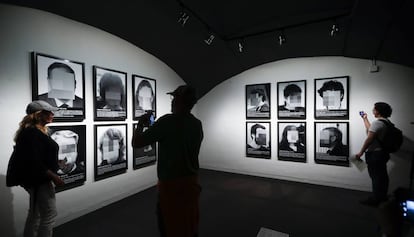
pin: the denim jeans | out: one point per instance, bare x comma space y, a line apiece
377, 170
42, 211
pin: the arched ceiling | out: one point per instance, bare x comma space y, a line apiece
368, 29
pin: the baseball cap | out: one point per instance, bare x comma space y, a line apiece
39, 105
186, 92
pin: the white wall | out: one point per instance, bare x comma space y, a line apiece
222, 111
24, 30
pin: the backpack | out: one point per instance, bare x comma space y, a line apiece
393, 138
13, 176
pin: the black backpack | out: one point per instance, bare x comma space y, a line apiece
393, 138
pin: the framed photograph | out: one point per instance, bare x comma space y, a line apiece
258, 101
331, 98
61, 83
292, 141
144, 95
331, 143
258, 143
110, 150
291, 100
144, 156
72, 154
109, 89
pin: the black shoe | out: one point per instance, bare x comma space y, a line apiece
371, 202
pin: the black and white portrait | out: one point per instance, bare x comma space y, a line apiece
291, 100
144, 95
110, 94
331, 98
110, 152
331, 143
258, 143
258, 101
72, 154
59, 82
292, 141
144, 156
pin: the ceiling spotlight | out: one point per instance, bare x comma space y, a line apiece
281, 39
240, 47
210, 39
334, 30
183, 18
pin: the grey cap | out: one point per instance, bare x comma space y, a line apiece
39, 105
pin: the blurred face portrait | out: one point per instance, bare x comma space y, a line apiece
293, 100
111, 145
332, 99
327, 138
61, 84
113, 96
253, 100
145, 98
68, 151
110, 149
292, 135
260, 136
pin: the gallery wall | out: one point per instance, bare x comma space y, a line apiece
223, 114
26, 30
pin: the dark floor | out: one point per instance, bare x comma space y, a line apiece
234, 205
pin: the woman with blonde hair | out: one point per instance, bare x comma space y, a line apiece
40, 154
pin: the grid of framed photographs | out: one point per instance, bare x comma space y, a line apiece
331, 100
61, 83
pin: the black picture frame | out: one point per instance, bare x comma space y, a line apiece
332, 143
291, 141
258, 139
145, 156
111, 156
332, 98
72, 154
110, 94
144, 94
291, 100
61, 83
258, 104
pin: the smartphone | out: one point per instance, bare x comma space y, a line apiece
151, 119
361, 113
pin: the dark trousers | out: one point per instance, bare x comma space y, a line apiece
377, 170
178, 207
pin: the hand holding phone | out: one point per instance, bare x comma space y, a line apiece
361, 113
147, 119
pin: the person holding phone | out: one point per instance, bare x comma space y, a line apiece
375, 156
179, 136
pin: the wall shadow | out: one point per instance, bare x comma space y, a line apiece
6, 209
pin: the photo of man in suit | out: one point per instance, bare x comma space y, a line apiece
61, 87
